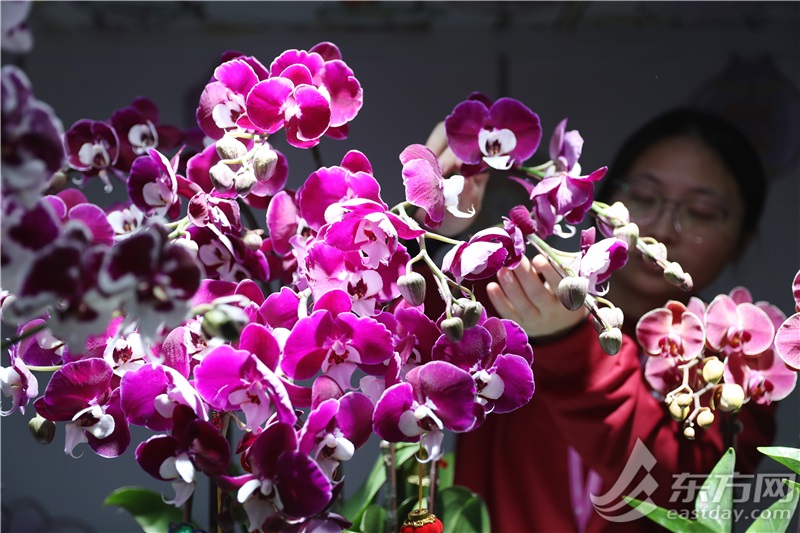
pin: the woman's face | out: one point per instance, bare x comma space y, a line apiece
683, 196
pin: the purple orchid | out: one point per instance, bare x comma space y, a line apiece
562, 197
17, 383
435, 396
787, 338
139, 131
427, 189
334, 344
80, 393
31, 138
16, 35
499, 135
600, 259
92, 147
194, 446
153, 186
283, 479
486, 253
153, 277
565, 149
243, 379
226, 257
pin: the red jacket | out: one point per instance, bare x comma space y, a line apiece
599, 405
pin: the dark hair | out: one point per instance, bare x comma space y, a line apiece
733, 148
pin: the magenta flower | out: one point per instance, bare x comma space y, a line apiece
500, 134
562, 197
600, 259
565, 149
787, 338
485, 254
222, 104
737, 327
17, 383
427, 189
671, 331
91, 146
435, 396
334, 345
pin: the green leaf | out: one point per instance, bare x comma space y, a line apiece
452, 503
446, 474
374, 519
715, 500
789, 457
147, 508
776, 518
669, 519
474, 516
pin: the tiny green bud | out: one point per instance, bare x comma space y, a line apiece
705, 418
712, 370
224, 321
412, 287
689, 432
572, 292
612, 316
629, 233
468, 311
222, 177
684, 400
42, 429
230, 148
611, 341
731, 397
678, 412
264, 162
453, 328
244, 182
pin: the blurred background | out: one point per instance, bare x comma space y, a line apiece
607, 66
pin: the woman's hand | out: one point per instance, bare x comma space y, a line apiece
474, 187
527, 296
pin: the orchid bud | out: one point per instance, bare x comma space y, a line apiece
252, 240
678, 412
188, 244
674, 274
713, 370
705, 418
42, 429
731, 397
264, 162
689, 432
611, 341
58, 182
629, 234
612, 317
224, 321
656, 252
521, 216
453, 328
222, 177
412, 287
230, 148
618, 212
244, 182
572, 292
684, 400
468, 311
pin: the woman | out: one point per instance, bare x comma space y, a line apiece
693, 182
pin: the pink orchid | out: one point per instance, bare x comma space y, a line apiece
737, 327
764, 379
600, 259
671, 332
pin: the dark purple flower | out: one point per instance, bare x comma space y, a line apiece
153, 186
485, 254
91, 146
562, 197
565, 148
31, 139
138, 129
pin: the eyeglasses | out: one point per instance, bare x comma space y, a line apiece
697, 219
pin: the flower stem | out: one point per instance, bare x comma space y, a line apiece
247, 213
7, 343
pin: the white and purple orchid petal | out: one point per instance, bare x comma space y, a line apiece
138, 393
18, 383
318, 420
155, 452
111, 436
183, 491
311, 60
507, 113
73, 436
74, 386
450, 389
518, 385
237, 75
308, 115
346, 95
95, 219
303, 353
432, 442
390, 412
367, 336
424, 189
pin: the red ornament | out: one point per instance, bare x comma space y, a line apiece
421, 521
